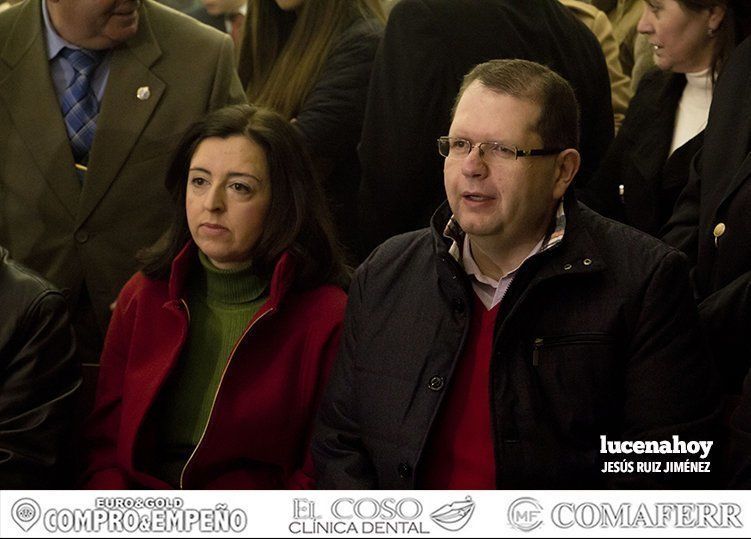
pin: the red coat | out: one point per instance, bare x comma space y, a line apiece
260, 425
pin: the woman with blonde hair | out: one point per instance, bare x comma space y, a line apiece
310, 60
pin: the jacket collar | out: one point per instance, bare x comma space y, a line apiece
576, 253
281, 279
652, 145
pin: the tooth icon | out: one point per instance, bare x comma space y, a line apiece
454, 516
25, 513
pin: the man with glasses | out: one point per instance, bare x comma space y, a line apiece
498, 347
427, 47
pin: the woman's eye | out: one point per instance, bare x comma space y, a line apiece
240, 188
198, 182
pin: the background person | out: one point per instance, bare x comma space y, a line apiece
218, 350
310, 60
647, 166
95, 95
40, 377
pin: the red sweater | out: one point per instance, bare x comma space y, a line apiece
259, 428
459, 454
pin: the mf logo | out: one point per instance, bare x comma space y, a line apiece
525, 514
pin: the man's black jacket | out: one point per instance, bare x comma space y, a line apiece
595, 336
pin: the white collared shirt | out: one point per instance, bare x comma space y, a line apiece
490, 291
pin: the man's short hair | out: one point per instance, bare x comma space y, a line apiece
558, 125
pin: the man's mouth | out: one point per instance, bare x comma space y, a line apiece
476, 197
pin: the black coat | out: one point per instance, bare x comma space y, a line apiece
39, 379
639, 158
719, 195
608, 313
331, 119
428, 47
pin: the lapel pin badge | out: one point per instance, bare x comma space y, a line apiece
143, 93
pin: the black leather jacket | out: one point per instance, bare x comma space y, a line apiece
39, 378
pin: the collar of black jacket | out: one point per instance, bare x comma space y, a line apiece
576, 254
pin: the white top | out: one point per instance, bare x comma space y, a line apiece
693, 109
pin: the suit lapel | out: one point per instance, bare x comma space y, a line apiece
123, 116
31, 99
653, 144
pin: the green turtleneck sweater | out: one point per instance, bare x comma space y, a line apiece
221, 304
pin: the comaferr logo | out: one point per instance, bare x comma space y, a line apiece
454, 516
590, 515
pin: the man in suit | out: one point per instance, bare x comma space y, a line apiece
427, 48
84, 150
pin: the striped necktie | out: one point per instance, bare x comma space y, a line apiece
79, 104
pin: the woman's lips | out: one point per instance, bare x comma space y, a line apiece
212, 228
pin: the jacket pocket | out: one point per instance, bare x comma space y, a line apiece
584, 340
575, 378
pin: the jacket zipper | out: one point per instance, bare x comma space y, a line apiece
582, 338
216, 394
187, 311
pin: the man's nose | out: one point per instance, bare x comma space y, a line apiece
473, 164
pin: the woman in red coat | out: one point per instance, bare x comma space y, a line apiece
219, 348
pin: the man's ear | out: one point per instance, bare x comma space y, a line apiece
566, 166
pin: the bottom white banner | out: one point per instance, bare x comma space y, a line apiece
541, 513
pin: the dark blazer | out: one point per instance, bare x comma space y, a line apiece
85, 235
428, 47
711, 221
596, 336
39, 378
639, 158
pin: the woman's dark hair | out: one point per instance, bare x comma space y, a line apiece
298, 221
733, 29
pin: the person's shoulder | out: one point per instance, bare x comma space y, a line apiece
141, 288
325, 304
654, 80
363, 33
19, 281
401, 249
623, 246
173, 26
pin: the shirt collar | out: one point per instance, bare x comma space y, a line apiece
472, 269
454, 232
55, 43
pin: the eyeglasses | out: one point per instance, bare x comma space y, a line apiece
489, 151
